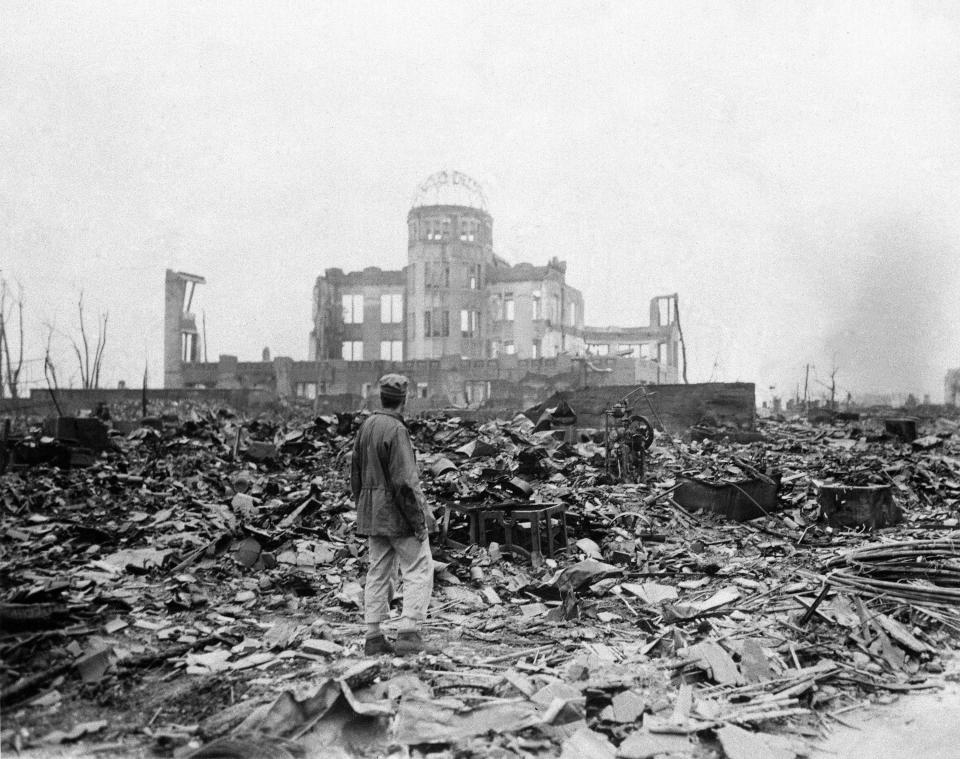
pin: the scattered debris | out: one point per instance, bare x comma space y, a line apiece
201, 577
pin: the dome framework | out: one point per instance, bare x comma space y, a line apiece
453, 188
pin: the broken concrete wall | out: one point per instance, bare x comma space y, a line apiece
722, 404
449, 380
680, 407
73, 402
728, 405
283, 371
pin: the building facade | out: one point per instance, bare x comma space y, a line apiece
456, 297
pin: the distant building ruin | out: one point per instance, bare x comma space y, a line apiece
181, 340
456, 297
951, 388
462, 322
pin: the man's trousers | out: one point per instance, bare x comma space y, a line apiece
416, 569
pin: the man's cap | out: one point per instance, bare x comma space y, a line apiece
393, 386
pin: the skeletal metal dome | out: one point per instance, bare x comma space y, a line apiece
450, 188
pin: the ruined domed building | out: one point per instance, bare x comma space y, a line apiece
459, 320
455, 296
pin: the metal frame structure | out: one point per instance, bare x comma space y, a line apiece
435, 183
626, 438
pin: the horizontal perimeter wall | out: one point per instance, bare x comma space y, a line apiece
675, 407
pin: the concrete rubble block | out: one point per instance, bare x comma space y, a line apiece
643, 744
625, 708
320, 647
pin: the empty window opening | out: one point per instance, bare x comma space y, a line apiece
391, 308
436, 323
391, 350
353, 309
476, 391
468, 230
353, 350
469, 323
436, 275
306, 390
665, 312
189, 347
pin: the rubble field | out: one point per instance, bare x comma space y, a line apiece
196, 591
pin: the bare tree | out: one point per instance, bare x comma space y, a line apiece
90, 366
50, 372
10, 370
832, 387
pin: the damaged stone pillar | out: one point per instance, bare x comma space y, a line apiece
181, 339
282, 372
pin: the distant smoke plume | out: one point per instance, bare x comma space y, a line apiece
887, 303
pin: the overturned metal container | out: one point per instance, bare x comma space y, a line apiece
904, 428
858, 506
740, 501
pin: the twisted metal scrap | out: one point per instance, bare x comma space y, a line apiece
925, 572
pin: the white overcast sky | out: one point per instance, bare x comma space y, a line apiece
792, 170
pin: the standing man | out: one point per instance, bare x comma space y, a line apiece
392, 513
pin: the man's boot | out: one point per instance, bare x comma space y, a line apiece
377, 645
411, 642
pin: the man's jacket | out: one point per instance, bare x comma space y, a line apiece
384, 479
